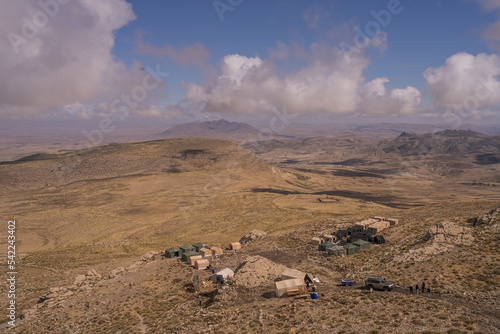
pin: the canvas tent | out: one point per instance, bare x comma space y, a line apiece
234, 245
173, 252
324, 246
378, 218
351, 249
187, 248
201, 264
329, 237
337, 251
290, 287
378, 239
317, 241
293, 273
224, 274
186, 256
362, 244
393, 221
216, 251
194, 258
199, 246
205, 252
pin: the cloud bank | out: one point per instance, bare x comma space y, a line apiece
332, 81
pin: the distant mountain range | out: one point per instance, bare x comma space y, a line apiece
220, 129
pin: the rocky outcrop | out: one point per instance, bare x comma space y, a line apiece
252, 236
449, 233
488, 218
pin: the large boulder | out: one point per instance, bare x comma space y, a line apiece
252, 236
449, 233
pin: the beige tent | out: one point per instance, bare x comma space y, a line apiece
201, 264
290, 287
234, 245
317, 241
380, 225
193, 259
393, 221
205, 252
379, 218
225, 273
216, 251
293, 273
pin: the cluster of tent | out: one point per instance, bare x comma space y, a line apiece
356, 238
197, 254
194, 254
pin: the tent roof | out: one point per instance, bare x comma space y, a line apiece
336, 247
202, 261
173, 249
226, 272
188, 254
360, 242
293, 273
200, 244
350, 246
187, 247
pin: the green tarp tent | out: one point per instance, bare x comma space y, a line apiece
187, 248
187, 255
362, 244
351, 249
199, 246
337, 251
173, 252
324, 246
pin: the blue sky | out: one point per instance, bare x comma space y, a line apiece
426, 59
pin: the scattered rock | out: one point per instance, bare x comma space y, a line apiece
449, 233
488, 218
79, 279
252, 236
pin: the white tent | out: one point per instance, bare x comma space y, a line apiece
293, 274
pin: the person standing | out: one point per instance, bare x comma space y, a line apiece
416, 289
411, 289
423, 287
428, 292
200, 300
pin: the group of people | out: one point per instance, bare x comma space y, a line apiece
417, 289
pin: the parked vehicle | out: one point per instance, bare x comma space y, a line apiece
378, 283
348, 282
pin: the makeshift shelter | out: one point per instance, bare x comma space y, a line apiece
290, 287
393, 221
187, 255
362, 244
173, 252
337, 251
223, 274
216, 251
194, 258
201, 264
324, 246
205, 252
199, 246
187, 248
351, 249
234, 245
380, 225
378, 239
317, 241
293, 273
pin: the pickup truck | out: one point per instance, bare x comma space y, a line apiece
378, 283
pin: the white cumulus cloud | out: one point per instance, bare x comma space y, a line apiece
331, 81
58, 53
466, 81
